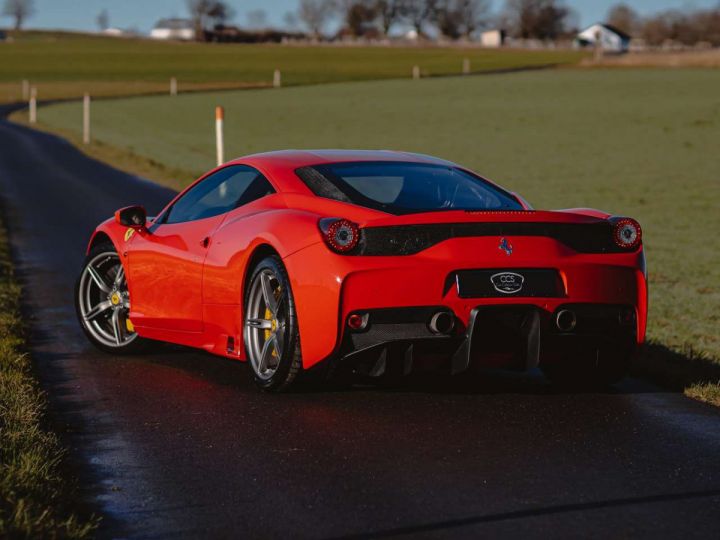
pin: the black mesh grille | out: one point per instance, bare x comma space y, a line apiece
411, 239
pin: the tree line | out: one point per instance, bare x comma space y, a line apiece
545, 20
687, 27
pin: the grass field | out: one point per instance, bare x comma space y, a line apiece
35, 497
640, 143
65, 65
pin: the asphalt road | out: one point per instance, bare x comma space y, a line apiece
180, 444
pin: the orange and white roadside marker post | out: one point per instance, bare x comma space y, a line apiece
466, 66
416, 72
219, 139
173, 86
86, 118
33, 105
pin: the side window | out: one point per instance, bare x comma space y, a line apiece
221, 192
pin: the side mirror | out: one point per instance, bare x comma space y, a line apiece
132, 216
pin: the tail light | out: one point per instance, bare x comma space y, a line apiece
341, 235
627, 233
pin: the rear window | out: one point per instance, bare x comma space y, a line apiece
405, 188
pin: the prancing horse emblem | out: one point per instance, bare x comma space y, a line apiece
505, 246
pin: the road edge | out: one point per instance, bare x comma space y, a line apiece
38, 490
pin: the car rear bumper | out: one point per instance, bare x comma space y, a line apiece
328, 288
517, 337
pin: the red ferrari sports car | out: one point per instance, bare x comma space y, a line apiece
367, 262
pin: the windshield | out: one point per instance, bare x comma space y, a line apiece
405, 188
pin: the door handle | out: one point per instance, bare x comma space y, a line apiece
205, 242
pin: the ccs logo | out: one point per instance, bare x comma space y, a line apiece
507, 282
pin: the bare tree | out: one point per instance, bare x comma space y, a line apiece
315, 14
624, 18
290, 20
205, 12
539, 19
220, 12
447, 18
257, 18
418, 13
473, 14
388, 11
359, 16
20, 10
103, 20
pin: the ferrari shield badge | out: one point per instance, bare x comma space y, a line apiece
506, 246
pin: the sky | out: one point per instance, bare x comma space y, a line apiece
142, 14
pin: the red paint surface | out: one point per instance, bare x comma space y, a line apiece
185, 292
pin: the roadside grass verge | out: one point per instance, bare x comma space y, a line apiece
697, 374
35, 496
65, 65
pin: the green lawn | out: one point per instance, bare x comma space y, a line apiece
66, 65
640, 143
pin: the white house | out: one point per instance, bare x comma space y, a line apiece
492, 38
182, 29
612, 39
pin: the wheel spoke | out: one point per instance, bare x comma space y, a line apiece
260, 324
117, 327
268, 293
266, 353
98, 279
279, 335
120, 276
102, 307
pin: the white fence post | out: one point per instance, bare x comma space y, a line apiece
33, 105
466, 66
173, 86
86, 118
416, 72
25, 90
219, 140
277, 79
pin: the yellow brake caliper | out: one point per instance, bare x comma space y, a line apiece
269, 317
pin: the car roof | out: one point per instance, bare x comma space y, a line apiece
280, 165
303, 158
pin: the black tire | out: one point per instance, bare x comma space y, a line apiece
134, 344
288, 364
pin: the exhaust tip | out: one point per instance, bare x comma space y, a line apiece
442, 322
566, 320
358, 321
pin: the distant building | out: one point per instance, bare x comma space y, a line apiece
116, 32
181, 29
493, 38
612, 39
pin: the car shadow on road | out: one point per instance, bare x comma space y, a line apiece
227, 372
676, 370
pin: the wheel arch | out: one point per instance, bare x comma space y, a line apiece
259, 252
99, 237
